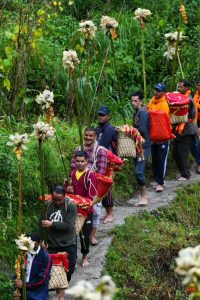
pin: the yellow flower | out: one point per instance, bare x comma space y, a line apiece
183, 13
54, 3
70, 2
59, 3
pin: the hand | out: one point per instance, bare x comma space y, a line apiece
46, 223
18, 283
70, 189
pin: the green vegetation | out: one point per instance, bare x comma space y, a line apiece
141, 258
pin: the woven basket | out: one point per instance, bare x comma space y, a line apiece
125, 145
178, 119
58, 278
79, 222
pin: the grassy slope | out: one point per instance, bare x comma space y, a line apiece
141, 258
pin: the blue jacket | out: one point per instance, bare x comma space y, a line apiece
37, 287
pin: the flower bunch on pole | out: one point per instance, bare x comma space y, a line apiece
188, 265
84, 290
109, 26
70, 62
182, 17
141, 15
25, 246
42, 132
19, 141
88, 31
171, 43
45, 100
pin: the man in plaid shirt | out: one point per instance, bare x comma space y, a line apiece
97, 162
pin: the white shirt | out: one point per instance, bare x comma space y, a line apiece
30, 258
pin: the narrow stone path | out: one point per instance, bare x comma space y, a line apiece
97, 254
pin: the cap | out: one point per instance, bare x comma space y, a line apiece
104, 110
161, 87
58, 189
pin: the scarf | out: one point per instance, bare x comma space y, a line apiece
158, 104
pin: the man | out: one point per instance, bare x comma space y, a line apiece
196, 145
185, 134
60, 222
37, 272
159, 151
84, 184
141, 123
97, 162
106, 137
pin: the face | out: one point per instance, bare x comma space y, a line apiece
198, 87
158, 94
89, 137
58, 199
103, 118
181, 88
136, 103
81, 163
36, 245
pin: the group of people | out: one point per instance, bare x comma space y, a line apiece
186, 136
91, 158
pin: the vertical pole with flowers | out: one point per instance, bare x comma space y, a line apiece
19, 142
45, 100
109, 26
141, 16
88, 30
182, 16
70, 61
42, 131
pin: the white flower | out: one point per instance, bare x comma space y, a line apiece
170, 52
188, 264
80, 289
93, 296
18, 140
25, 243
70, 59
108, 23
88, 29
142, 14
43, 131
107, 287
45, 99
172, 36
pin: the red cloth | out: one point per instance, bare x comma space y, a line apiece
103, 184
60, 259
83, 204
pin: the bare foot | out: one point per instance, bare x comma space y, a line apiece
143, 202
109, 219
93, 241
85, 262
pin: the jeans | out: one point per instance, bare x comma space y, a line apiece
195, 150
140, 166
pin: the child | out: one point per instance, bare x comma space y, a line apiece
84, 184
37, 272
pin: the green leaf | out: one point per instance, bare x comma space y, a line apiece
7, 64
6, 84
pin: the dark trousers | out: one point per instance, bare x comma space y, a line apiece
140, 166
72, 255
85, 233
108, 200
159, 153
181, 151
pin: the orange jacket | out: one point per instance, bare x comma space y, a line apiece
159, 104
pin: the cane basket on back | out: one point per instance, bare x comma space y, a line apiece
125, 145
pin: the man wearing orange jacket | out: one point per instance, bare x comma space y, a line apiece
196, 146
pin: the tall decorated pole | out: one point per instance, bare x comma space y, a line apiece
141, 16
70, 61
42, 132
174, 40
88, 31
19, 142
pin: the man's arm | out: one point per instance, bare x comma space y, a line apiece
101, 163
107, 137
143, 120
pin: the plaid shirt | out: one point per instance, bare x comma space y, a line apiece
100, 157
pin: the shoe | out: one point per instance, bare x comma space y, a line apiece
159, 188
182, 178
140, 204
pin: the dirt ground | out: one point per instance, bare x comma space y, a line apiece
97, 253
